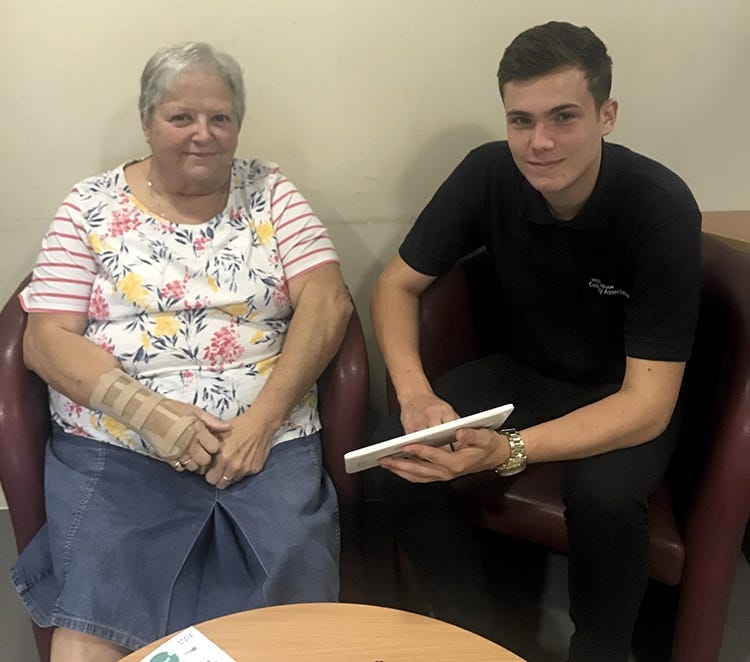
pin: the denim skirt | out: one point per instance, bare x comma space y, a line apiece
133, 550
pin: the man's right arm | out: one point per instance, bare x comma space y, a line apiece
395, 319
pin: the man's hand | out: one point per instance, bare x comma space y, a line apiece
475, 450
425, 411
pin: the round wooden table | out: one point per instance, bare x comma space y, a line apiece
333, 632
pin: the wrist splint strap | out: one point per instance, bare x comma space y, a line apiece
152, 416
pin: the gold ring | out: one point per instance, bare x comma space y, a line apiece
226, 478
177, 464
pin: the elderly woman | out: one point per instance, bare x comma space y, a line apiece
181, 309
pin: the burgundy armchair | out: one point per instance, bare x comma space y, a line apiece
699, 513
25, 425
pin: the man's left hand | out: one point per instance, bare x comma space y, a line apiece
474, 450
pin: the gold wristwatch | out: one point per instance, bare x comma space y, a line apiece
516, 462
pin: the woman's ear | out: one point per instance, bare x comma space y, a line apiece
146, 130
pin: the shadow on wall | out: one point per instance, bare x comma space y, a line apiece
434, 160
429, 165
123, 139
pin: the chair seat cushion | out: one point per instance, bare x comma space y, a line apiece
529, 506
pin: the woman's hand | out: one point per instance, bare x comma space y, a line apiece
475, 450
244, 450
206, 440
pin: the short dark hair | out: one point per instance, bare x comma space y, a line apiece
552, 47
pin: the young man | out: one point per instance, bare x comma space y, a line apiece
597, 256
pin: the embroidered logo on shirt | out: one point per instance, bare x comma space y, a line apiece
606, 290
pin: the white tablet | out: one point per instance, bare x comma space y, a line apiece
438, 435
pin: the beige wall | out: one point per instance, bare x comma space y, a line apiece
366, 105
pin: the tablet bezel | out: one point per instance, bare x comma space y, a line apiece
437, 435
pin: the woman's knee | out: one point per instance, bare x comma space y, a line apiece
73, 646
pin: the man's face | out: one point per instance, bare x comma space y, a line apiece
554, 134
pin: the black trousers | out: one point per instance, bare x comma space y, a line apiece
606, 498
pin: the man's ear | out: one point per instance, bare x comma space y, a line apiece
608, 115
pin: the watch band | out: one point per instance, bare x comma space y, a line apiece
516, 461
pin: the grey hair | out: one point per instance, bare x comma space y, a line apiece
164, 67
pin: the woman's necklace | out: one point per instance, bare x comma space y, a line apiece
157, 199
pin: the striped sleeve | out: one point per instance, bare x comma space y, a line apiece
303, 241
65, 269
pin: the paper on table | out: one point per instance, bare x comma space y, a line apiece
190, 645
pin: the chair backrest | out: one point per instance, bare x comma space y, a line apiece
716, 371
344, 392
710, 474
24, 427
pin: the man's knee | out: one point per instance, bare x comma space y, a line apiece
601, 498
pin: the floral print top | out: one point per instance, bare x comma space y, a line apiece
198, 313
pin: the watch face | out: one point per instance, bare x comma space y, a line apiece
511, 466
511, 472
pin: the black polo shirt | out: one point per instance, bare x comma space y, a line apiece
621, 278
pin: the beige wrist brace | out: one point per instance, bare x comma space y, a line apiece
152, 416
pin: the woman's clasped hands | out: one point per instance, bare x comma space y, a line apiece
224, 452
